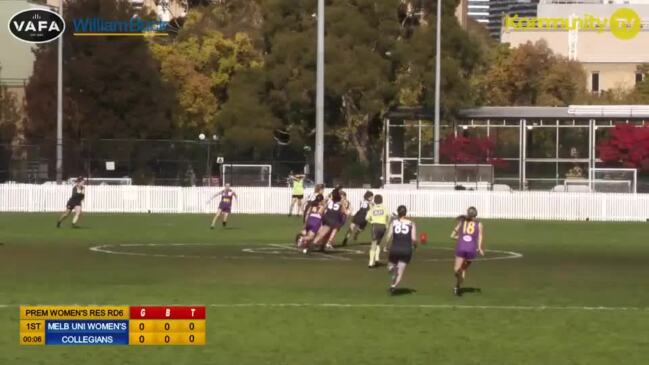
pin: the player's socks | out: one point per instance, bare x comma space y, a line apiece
371, 264
377, 253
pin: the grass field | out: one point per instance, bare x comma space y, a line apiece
578, 295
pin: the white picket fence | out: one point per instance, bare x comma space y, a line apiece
421, 203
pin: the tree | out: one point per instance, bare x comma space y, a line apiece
531, 74
378, 56
199, 63
626, 145
640, 93
470, 150
112, 88
9, 115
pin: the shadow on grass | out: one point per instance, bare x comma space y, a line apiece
403, 291
470, 291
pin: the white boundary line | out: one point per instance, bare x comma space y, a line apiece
276, 249
413, 306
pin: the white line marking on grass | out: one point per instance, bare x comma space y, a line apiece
509, 255
280, 251
412, 306
429, 306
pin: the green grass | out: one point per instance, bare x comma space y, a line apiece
583, 264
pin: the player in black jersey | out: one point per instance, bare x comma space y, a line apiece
332, 219
402, 239
74, 203
359, 222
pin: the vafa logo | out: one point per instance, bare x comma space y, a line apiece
36, 25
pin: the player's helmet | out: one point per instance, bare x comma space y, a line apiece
472, 212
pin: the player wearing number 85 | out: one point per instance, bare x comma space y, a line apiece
468, 236
402, 239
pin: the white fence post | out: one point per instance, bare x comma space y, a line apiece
263, 200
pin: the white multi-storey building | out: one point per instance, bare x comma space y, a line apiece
610, 62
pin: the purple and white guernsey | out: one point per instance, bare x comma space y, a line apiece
467, 241
313, 222
226, 201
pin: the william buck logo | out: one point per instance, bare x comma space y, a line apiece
36, 26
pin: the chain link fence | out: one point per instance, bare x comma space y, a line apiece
144, 162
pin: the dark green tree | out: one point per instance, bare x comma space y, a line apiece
112, 86
9, 115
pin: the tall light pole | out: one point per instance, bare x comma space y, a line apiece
319, 104
438, 77
59, 107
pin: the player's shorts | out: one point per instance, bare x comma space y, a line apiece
72, 203
378, 232
395, 257
295, 196
332, 222
360, 221
466, 254
313, 226
225, 207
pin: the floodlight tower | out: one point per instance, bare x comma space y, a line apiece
319, 104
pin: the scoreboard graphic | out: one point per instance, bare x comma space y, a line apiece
112, 325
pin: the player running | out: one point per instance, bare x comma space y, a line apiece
298, 193
378, 218
359, 222
317, 191
311, 226
74, 203
403, 237
332, 219
225, 206
345, 210
468, 235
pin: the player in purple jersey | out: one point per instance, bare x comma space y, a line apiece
468, 235
317, 191
225, 206
311, 226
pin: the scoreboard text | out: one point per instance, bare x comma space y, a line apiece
112, 325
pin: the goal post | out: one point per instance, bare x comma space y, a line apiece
470, 176
104, 180
613, 180
247, 175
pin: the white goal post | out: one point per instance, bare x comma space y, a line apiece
452, 176
613, 180
104, 180
247, 175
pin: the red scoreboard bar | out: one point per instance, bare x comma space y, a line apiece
167, 312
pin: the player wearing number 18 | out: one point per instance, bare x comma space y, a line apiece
468, 235
402, 239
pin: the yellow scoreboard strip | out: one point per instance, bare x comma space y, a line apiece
112, 325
